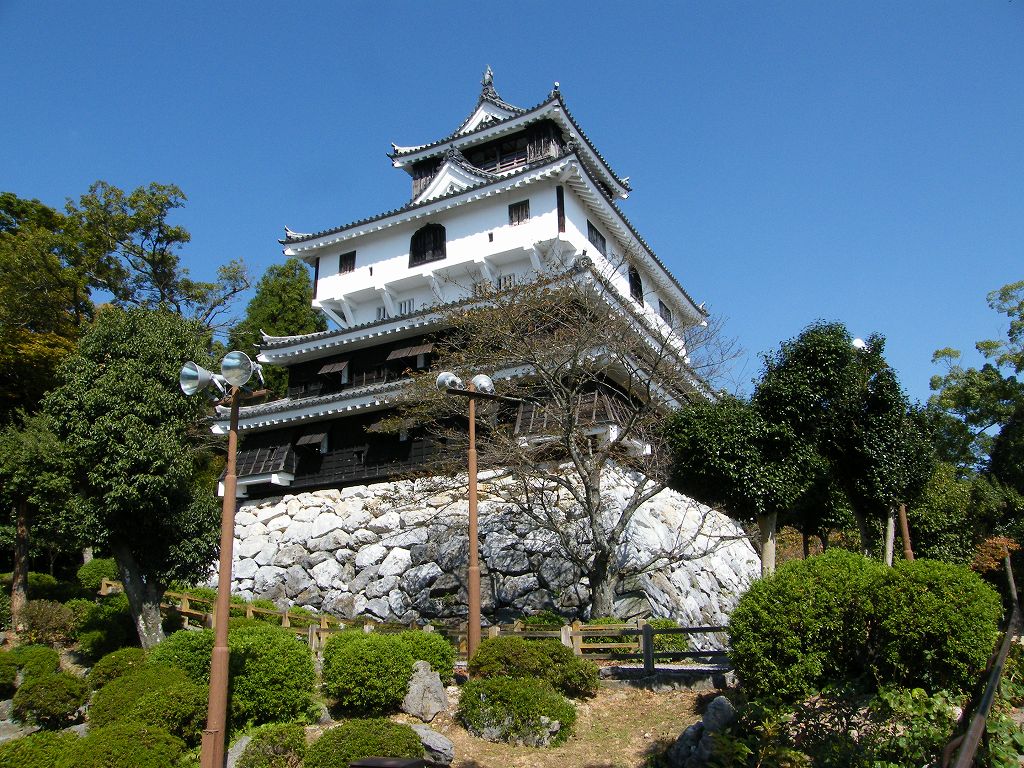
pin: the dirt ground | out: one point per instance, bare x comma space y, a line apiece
619, 728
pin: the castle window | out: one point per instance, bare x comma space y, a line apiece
428, 244
636, 285
347, 262
405, 306
596, 238
382, 312
665, 312
519, 213
506, 281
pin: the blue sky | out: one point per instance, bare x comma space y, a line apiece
861, 162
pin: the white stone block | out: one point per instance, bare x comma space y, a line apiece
386, 523
329, 575
244, 569
250, 546
326, 522
396, 563
371, 555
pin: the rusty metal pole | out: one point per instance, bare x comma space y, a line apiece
473, 587
908, 552
214, 735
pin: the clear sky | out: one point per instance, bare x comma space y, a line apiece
854, 161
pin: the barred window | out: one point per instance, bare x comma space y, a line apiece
636, 285
665, 312
428, 244
519, 213
347, 262
596, 238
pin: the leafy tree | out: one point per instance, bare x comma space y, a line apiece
44, 300
847, 406
124, 430
131, 249
27, 485
986, 399
281, 306
728, 456
600, 379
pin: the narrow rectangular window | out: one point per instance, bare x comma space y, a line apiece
665, 312
519, 213
405, 306
596, 238
506, 281
316, 275
636, 285
382, 313
560, 198
347, 262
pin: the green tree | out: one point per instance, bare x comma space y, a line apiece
44, 299
124, 430
985, 400
845, 404
281, 306
28, 487
726, 455
132, 252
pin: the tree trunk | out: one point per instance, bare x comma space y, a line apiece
602, 588
766, 526
86, 555
865, 537
144, 595
824, 540
890, 536
19, 578
807, 545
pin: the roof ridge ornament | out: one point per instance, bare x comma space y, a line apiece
488, 91
554, 91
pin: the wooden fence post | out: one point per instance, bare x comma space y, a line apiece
647, 635
248, 611
285, 618
493, 631
577, 642
184, 609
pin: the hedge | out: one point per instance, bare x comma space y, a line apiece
50, 701
515, 710
549, 660
356, 739
368, 675
276, 745
43, 749
124, 745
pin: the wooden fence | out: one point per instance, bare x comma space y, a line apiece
627, 642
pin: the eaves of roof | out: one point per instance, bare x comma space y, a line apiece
429, 150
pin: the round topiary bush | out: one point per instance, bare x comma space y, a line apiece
179, 708
272, 675
50, 701
35, 660
935, 626
115, 664
805, 626
124, 745
91, 574
46, 622
105, 627
115, 701
43, 749
521, 711
356, 739
187, 650
549, 660
431, 648
369, 675
276, 745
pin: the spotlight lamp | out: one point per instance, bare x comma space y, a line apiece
483, 383
194, 378
447, 380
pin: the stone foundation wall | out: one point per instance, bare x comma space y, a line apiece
398, 552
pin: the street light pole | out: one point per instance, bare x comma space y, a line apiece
212, 751
236, 370
473, 588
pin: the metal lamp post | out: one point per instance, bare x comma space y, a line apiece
236, 370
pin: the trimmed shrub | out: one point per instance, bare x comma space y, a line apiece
511, 710
805, 626
433, 649
115, 664
369, 675
276, 745
45, 622
38, 750
272, 675
549, 660
677, 642
50, 701
36, 660
935, 626
8, 674
107, 626
115, 700
544, 620
125, 745
91, 574
187, 650
356, 739
179, 708
43, 586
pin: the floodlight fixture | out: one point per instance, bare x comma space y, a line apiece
447, 380
860, 344
237, 368
483, 383
194, 378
